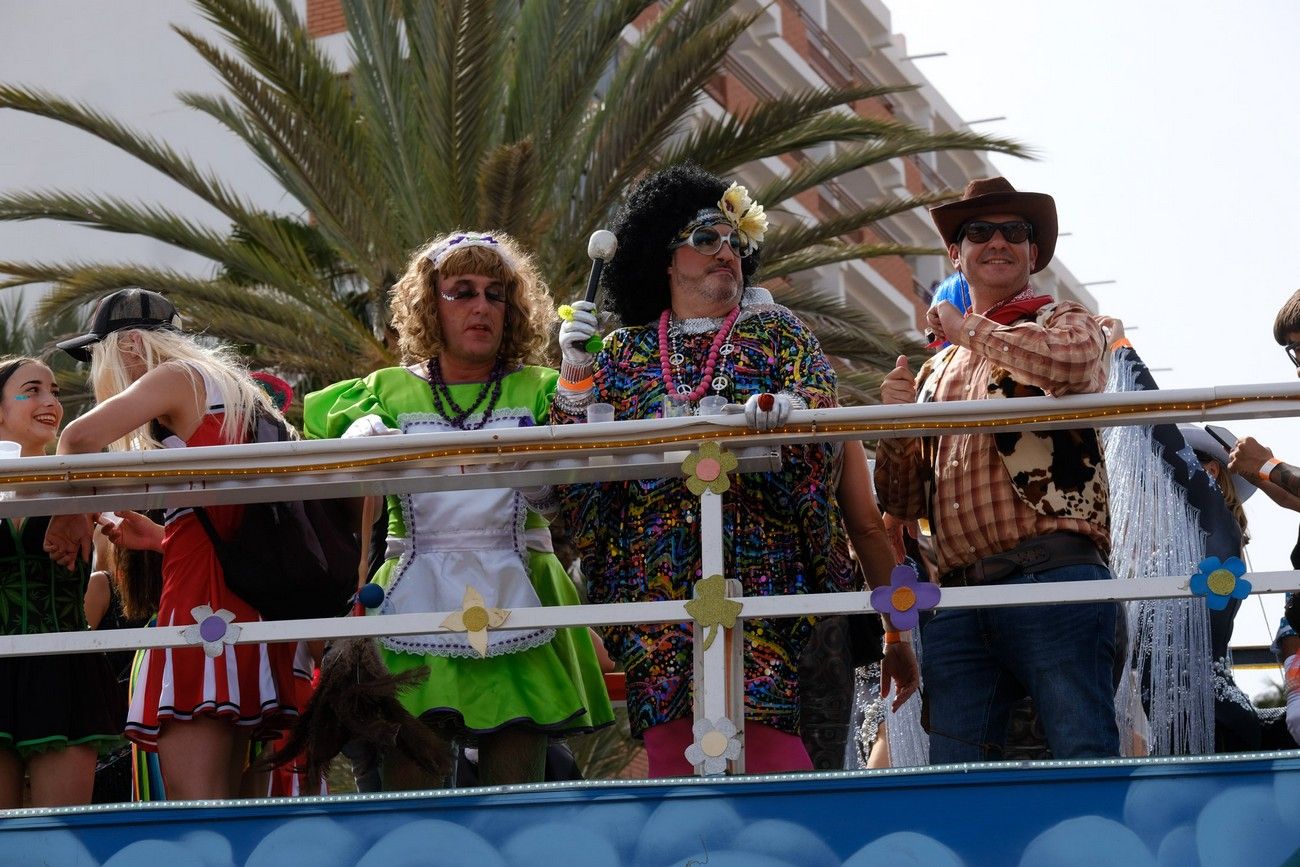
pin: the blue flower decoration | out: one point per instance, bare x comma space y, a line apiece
1220, 581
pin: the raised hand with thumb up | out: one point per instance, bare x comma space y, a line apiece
898, 386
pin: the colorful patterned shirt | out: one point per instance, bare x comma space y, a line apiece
782, 531
977, 511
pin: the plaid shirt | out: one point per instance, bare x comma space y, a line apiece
977, 511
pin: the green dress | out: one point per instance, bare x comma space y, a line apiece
441, 543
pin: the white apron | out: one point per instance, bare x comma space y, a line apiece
457, 539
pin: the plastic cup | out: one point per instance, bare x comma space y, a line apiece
598, 412
676, 408
712, 405
9, 451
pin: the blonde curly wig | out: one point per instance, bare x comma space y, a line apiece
529, 310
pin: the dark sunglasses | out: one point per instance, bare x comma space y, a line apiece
981, 231
707, 240
1293, 352
469, 293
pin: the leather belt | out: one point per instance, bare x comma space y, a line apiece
1032, 555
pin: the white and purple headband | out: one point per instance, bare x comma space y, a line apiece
439, 254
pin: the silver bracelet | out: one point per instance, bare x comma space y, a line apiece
572, 402
795, 400
571, 372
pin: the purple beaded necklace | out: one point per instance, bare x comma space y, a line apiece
454, 414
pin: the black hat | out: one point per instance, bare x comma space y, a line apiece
126, 308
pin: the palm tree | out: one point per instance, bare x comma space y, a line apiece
528, 115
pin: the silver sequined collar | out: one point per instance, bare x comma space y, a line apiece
753, 300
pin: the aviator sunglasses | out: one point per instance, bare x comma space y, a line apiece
981, 231
706, 240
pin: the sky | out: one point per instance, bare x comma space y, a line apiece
1167, 134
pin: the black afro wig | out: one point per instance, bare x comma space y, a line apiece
636, 279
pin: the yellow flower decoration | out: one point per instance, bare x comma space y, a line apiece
707, 468
745, 214
711, 608
565, 312
475, 619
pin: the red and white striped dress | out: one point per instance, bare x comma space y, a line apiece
247, 684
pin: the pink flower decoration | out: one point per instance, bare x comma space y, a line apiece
905, 597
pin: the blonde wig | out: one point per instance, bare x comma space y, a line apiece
239, 393
529, 310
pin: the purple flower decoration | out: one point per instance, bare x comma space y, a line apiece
212, 629
1219, 582
904, 597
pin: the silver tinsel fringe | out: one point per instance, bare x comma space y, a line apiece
1154, 531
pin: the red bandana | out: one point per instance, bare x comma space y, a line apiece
1024, 303
1019, 306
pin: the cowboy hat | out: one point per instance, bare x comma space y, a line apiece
1212, 441
985, 196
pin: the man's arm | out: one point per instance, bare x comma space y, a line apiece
901, 469
810, 378
867, 534
1278, 479
1063, 356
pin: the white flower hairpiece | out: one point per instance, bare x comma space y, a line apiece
739, 211
439, 254
744, 214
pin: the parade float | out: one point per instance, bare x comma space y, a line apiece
1182, 810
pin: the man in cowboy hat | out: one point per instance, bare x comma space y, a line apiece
1021, 507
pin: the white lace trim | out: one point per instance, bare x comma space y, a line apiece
504, 646
499, 414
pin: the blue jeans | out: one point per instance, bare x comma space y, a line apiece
978, 662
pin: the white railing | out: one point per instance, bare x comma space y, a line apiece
586, 453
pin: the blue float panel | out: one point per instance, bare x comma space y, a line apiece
1212, 811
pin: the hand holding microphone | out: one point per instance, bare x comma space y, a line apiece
578, 338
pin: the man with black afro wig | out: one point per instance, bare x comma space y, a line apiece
636, 280
698, 334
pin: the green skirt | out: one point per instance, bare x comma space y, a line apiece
556, 688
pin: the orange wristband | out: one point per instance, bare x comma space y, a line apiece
580, 385
892, 637
1123, 341
1266, 471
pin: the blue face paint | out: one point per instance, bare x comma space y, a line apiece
22, 397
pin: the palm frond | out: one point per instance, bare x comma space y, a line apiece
719, 144
811, 173
507, 191
153, 153
792, 237
834, 252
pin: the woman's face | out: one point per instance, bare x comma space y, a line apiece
30, 411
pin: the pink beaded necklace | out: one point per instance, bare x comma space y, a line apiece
723, 332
